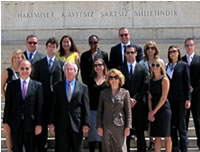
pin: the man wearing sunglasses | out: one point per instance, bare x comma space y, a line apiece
117, 52
193, 61
31, 52
23, 109
135, 78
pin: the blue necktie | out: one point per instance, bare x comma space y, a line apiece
131, 70
30, 57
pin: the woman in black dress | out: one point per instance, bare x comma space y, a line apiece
95, 85
159, 108
179, 97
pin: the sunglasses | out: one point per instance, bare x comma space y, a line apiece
155, 65
32, 43
189, 45
123, 35
151, 48
96, 65
95, 42
24, 68
172, 51
130, 52
114, 77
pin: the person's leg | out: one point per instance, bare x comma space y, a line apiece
157, 144
92, 145
168, 144
8, 139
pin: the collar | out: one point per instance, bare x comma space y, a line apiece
191, 56
48, 58
122, 44
133, 64
27, 80
28, 52
72, 82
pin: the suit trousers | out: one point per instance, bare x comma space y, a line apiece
69, 141
178, 124
21, 138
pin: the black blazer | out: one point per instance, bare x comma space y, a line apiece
180, 83
194, 73
116, 55
16, 108
74, 113
48, 78
135, 84
36, 58
87, 61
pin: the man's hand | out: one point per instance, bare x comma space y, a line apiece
100, 131
85, 129
38, 129
133, 102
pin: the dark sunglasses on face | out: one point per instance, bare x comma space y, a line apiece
189, 45
155, 65
132, 52
114, 77
172, 51
123, 35
24, 68
151, 48
96, 65
95, 42
32, 43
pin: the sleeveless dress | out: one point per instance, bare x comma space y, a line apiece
162, 125
71, 58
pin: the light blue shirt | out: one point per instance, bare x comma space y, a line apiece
28, 54
67, 85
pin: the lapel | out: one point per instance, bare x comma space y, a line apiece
19, 90
184, 58
120, 53
76, 90
134, 72
175, 69
25, 54
29, 89
55, 63
193, 60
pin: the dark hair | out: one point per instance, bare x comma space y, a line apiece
93, 35
52, 41
122, 28
73, 46
188, 39
94, 74
29, 36
179, 53
130, 46
145, 49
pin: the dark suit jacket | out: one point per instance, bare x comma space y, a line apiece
86, 63
180, 83
194, 73
136, 84
48, 78
30, 108
74, 113
116, 56
36, 58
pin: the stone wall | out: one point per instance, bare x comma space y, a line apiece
164, 22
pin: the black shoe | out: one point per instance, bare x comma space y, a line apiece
151, 146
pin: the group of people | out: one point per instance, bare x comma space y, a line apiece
119, 97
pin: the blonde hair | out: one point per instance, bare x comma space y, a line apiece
16, 52
119, 74
162, 67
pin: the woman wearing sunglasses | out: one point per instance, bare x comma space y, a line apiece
159, 108
179, 97
95, 86
11, 73
114, 114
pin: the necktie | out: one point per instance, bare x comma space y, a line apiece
30, 57
50, 64
69, 92
24, 89
189, 60
131, 70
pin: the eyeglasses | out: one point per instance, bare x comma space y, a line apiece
132, 52
172, 51
114, 77
95, 42
151, 48
24, 68
155, 65
32, 43
96, 65
189, 45
123, 35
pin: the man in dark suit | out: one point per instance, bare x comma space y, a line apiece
48, 71
70, 111
193, 61
31, 52
89, 57
135, 79
23, 109
117, 52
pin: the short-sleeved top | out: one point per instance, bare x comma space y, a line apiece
71, 58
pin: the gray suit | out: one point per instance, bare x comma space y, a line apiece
114, 115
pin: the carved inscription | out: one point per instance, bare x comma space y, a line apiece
162, 13
35, 15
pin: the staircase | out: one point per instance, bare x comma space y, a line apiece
192, 147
